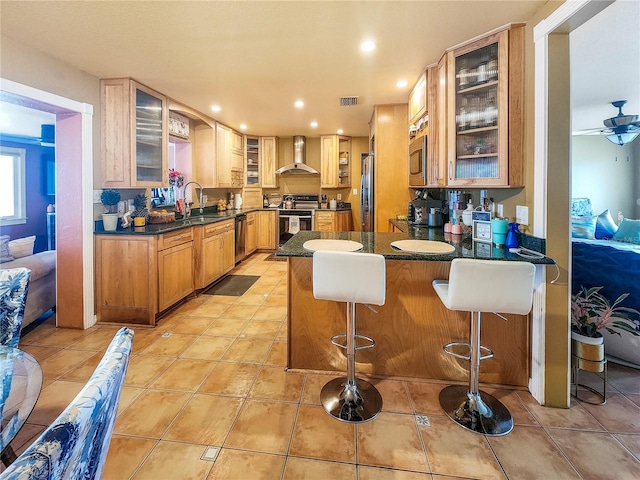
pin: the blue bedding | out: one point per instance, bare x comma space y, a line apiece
616, 270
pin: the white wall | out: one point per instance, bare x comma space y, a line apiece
608, 174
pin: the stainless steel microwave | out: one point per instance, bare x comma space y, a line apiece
418, 162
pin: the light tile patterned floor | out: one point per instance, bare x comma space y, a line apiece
207, 396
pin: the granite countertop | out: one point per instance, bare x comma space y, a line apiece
160, 228
208, 217
380, 243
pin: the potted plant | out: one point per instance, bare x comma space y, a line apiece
110, 199
590, 312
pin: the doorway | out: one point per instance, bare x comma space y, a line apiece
552, 174
74, 182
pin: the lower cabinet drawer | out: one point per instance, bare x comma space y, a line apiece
324, 226
172, 239
219, 227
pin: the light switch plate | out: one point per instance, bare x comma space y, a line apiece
500, 211
522, 215
355, 191
96, 196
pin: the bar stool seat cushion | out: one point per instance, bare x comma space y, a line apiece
487, 286
349, 277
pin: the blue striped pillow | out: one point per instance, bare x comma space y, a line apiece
583, 226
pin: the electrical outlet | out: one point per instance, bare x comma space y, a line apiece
355, 191
339, 196
96, 196
500, 211
522, 215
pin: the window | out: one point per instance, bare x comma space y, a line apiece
13, 206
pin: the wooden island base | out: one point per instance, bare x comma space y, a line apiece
410, 329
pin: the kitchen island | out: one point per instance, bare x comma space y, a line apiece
413, 325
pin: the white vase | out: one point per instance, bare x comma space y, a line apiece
109, 221
588, 340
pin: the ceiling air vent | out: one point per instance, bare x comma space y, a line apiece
348, 101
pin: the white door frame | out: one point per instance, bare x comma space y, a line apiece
565, 19
86, 110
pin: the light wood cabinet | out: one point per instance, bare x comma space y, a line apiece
252, 233
228, 251
269, 161
139, 276
175, 274
134, 122
388, 139
325, 221
267, 230
345, 221
212, 245
126, 279
437, 146
335, 161
485, 111
204, 155
333, 221
251, 197
418, 99
229, 158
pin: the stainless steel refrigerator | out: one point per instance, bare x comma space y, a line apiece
367, 194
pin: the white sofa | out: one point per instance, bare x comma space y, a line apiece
42, 287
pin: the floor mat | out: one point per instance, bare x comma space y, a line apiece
272, 258
233, 285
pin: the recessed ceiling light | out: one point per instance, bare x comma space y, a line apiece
216, 108
401, 84
367, 46
314, 124
340, 131
299, 104
243, 126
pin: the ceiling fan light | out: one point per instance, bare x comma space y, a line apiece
622, 138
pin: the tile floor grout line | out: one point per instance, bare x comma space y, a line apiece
562, 452
495, 456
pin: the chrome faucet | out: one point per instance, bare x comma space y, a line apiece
187, 209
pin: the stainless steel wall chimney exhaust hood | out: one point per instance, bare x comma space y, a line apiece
299, 156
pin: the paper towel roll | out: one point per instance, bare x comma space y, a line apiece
294, 224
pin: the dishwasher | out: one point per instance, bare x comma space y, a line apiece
241, 232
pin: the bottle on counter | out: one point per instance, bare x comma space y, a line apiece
411, 212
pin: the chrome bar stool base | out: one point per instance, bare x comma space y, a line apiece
480, 412
348, 402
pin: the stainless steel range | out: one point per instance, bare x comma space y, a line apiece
299, 217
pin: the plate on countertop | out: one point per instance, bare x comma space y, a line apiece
332, 245
424, 246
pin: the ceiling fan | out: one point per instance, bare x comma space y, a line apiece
622, 128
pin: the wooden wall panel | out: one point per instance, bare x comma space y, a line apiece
410, 330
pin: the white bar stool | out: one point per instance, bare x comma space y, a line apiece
353, 278
480, 286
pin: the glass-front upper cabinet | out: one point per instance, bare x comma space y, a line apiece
252, 152
485, 111
149, 137
135, 135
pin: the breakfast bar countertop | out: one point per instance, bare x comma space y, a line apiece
380, 243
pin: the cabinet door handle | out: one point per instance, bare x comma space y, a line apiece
450, 170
